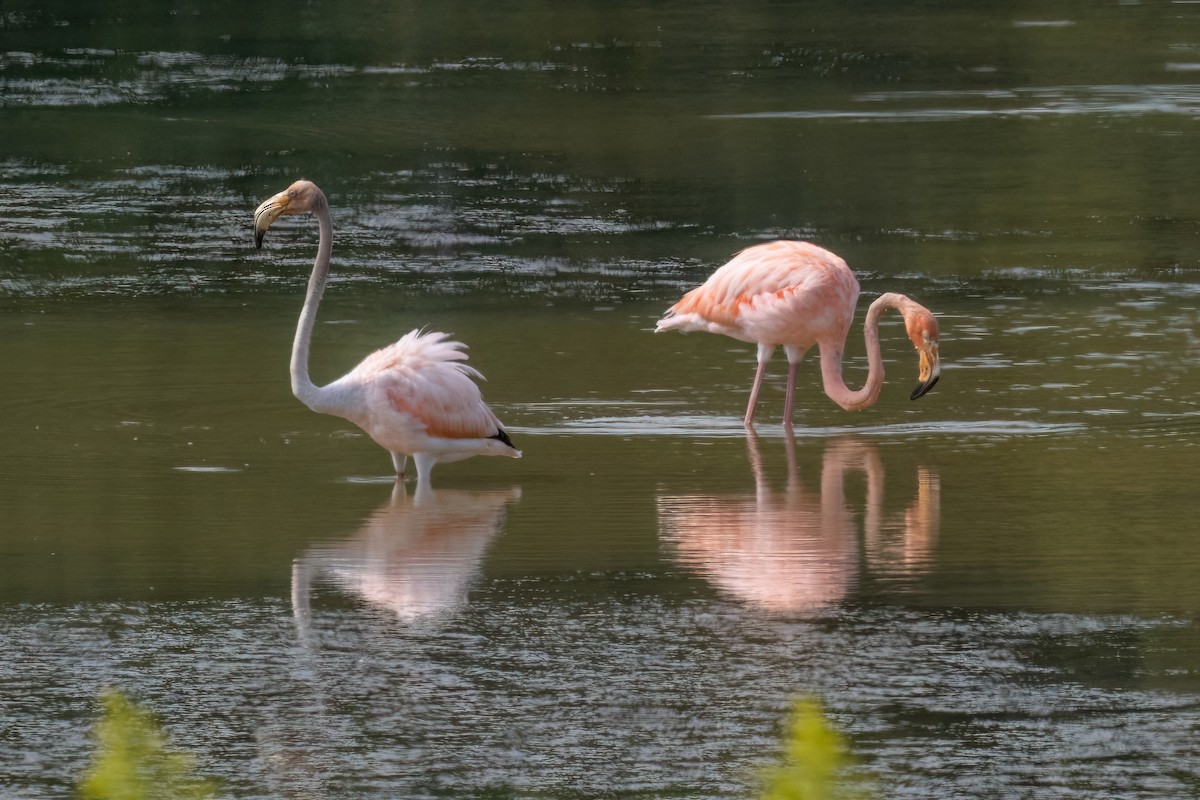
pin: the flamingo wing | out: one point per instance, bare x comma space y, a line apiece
423, 376
778, 292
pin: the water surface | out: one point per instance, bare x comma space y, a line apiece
993, 589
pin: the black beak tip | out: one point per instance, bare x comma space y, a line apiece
258, 239
924, 388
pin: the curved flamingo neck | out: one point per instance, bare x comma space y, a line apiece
302, 386
831, 359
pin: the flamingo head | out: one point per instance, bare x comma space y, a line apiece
922, 329
299, 198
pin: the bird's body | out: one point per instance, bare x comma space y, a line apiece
780, 293
415, 397
797, 295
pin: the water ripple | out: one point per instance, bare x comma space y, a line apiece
80, 77
726, 427
591, 685
1023, 102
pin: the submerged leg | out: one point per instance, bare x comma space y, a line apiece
764, 355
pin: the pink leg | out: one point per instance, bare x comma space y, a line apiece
758, 376
794, 356
790, 395
764, 355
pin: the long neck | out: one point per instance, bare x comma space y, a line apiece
831, 360
302, 386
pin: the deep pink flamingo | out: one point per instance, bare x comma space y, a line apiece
415, 397
797, 295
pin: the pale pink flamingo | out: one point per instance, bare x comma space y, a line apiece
798, 295
415, 397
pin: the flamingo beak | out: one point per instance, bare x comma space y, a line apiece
930, 371
265, 215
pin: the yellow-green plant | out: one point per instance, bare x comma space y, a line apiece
816, 763
134, 762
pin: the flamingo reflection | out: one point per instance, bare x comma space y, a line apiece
796, 551
413, 557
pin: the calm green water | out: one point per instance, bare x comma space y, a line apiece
994, 590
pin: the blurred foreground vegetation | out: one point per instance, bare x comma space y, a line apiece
816, 762
134, 760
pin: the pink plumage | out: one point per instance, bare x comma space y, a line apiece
423, 378
797, 295
778, 293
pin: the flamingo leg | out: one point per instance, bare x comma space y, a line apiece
401, 462
758, 376
794, 357
424, 463
790, 395
765, 352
